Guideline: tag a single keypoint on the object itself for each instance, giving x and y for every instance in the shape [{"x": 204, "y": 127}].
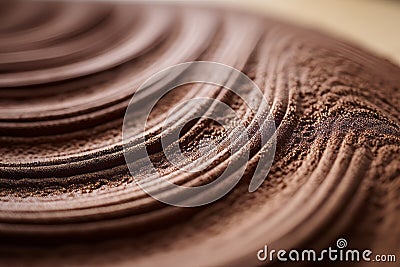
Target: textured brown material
[{"x": 67, "y": 72}]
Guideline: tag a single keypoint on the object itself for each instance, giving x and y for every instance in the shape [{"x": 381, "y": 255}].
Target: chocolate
[{"x": 67, "y": 73}]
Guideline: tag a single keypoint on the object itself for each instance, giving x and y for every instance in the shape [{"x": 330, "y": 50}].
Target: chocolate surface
[{"x": 67, "y": 73}]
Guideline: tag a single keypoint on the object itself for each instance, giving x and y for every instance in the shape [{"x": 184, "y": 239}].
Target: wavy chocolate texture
[{"x": 67, "y": 72}]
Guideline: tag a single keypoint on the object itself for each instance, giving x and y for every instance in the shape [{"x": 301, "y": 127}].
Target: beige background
[{"x": 373, "y": 24}]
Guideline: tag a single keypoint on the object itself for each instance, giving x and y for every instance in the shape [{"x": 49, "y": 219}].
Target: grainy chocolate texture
[{"x": 67, "y": 72}]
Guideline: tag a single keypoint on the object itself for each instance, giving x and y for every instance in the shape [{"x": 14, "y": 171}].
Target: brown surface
[{"x": 66, "y": 195}]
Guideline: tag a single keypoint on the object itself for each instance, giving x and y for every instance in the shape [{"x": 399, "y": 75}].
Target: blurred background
[{"x": 372, "y": 24}]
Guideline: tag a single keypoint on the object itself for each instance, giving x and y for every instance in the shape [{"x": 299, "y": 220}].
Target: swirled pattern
[{"x": 67, "y": 72}]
